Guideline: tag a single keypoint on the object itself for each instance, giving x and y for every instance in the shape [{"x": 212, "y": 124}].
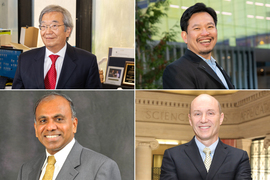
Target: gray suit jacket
[{"x": 81, "y": 164}]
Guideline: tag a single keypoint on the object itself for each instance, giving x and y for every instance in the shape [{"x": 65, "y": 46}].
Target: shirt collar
[
  {"x": 201, "y": 146},
  {"x": 61, "y": 53},
  {"x": 211, "y": 60},
  {"x": 61, "y": 155}
]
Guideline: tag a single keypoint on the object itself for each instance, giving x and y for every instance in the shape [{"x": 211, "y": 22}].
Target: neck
[{"x": 207, "y": 142}]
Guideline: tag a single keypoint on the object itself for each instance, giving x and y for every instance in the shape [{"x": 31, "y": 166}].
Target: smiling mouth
[
  {"x": 52, "y": 136},
  {"x": 204, "y": 127},
  {"x": 205, "y": 41}
]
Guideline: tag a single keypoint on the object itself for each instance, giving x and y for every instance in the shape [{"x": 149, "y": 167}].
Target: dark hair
[
  {"x": 53, "y": 94},
  {"x": 198, "y": 7}
]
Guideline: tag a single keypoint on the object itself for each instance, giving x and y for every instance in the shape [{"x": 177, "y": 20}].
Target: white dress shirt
[
  {"x": 201, "y": 146},
  {"x": 60, "y": 158},
  {"x": 58, "y": 63}
]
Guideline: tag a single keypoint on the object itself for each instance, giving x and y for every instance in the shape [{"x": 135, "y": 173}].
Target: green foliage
[{"x": 150, "y": 55}]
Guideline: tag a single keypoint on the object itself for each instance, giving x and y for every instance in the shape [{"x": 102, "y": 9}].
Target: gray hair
[
  {"x": 67, "y": 19},
  {"x": 52, "y": 95}
]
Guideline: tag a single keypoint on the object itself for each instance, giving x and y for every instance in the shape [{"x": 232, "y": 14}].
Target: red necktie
[{"x": 50, "y": 79}]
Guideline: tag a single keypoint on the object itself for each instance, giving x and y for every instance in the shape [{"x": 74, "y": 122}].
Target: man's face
[
  {"x": 54, "y": 40},
  {"x": 201, "y": 35},
  {"x": 205, "y": 119},
  {"x": 54, "y": 125}
]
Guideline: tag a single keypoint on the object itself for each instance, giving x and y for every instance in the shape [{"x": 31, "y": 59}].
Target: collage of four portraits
[{"x": 135, "y": 89}]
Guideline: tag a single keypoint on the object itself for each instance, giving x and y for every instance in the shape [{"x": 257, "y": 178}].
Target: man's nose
[
  {"x": 204, "y": 32},
  {"x": 48, "y": 29},
  {"x": 204, "y": 118},
  {"x": 51, "y": 125}
]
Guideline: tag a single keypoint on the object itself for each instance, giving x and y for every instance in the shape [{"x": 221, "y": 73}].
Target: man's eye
[
  {"x": 54, "y": 26},
  {"x": 59, "y": 119},
  {"x": 42, "y": 121}
]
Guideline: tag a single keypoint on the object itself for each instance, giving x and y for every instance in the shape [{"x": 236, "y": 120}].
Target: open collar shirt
[{"x": 60, "y": 158}]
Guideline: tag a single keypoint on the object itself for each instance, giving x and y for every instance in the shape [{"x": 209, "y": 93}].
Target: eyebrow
[
  {"x": 54, "y": 21},
  {"x": 55, "y": 116},
  {"x": 210, "y": 23}
]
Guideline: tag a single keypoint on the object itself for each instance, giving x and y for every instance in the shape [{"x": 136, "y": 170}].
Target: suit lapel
[
  {"x": 36, "y": 170},
  {"x": 68, "y": 67},
  {"x": 227, "y": 78},
  {"x": 195, "y": 157},
  {"x": 38, "y": 68},
  {"x": 68, "y": 170},
  {"x": 218, "y": 159},
  {"x": 204, "y": 66}
]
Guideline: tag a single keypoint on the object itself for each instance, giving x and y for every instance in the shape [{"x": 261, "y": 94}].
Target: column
[
  {"x": 144, "y": 147},
  {"x": 244, "y": 144}
]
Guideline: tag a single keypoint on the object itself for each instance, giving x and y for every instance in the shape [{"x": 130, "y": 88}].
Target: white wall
[
  {"x": 70, "y": 5},
  {"x": 9, "y": 17},
  {"x": 113, "y": 26}
]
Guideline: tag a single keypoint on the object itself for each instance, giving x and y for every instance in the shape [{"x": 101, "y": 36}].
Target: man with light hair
[
  {"x": 205, "y": 157},
  {"x": 57, "y": 65}
]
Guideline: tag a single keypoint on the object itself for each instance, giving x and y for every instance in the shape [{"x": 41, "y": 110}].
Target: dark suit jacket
[
  {"x": 81, "y": 164},
  {"x": 191, "y": 72},
  {"x": 184, "y": 162},
  {"x": 79, "y": 70}
]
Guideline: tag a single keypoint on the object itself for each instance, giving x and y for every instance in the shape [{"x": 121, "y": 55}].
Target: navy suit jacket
[
  {"x": 79, "y": 70},
  {"x": 191, "y": 72},
  {"x": 184, "y": 162},
  {"x": 81, "y": 164}
]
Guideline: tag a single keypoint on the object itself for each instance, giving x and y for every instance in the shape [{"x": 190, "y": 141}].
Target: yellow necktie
[
  {"x": 49, "y": 169},
  {"x": 208, "y": 159}
]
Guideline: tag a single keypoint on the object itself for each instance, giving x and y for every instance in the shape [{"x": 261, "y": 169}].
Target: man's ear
[
  {"x": 184, "y": 36},
  {"x": 68, "y": 31}
]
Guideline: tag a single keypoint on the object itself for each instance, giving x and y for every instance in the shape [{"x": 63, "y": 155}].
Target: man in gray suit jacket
[
  {"x": 205, "y": 157},
  {"x": 55, "y": 126}
]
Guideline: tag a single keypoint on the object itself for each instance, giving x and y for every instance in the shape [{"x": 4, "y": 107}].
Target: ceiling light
[
  {"x": 259, "y": 17},
  {"x": 227, "y": 13},
  {"x": 174, "y": 6},
  {"x": 184, "y": 7},
  {"x": 259, "y": 4},
  {"x": 250, "y": 16},
  {"x": 249, "y": 2}
]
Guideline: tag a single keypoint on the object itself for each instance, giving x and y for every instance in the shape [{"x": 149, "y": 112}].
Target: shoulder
[
  {"x": 234, "y": 153},
  {"x": 95, "y": 158},
  {"x": 178, "y": 149},
  {"x": 232, "y": 149},
  {"x": 33, "y": 52},
  {"x": 81, "y": 53},
  {"x": 34, "y": 162},
  {"x": 187, "y": 61}
]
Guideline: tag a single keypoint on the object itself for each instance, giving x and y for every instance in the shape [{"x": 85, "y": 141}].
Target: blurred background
[{"x": 242, "y": 48}]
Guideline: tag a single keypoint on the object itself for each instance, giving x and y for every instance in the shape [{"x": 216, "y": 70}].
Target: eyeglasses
[{"x": 52, "y": 27}]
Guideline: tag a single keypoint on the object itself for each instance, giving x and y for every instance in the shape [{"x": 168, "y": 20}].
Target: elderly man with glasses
[{"x": 57, "y": 65}]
